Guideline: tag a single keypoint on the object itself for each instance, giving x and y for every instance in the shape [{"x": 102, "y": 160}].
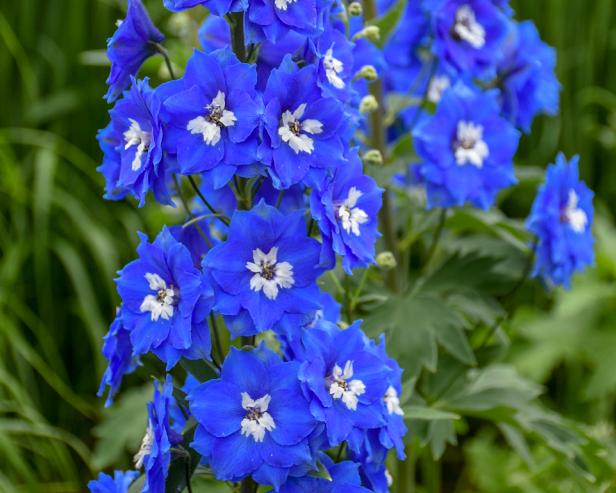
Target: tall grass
[{"x": 60, "y": 243}]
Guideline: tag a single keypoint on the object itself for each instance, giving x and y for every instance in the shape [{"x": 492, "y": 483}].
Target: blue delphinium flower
[
  {"x": 527, "y": 77},
  {"x": 118, "y": 349},
  {"x": 301, "y": 127},
  {"x": 344, "y": 479},
  {"x": 133, "y": 42},
  {"x": 217, "y": 7},
  {"x": 466, "y": 149},
  {"x": 267, "y": 267},
  {"x": 155, "y": 452},
  {"x": 333, "y": 53},
  {"x": 468, "y": 34},
  {"x": 120, "y": 482},
  {"x": 346, "y": 207},
  {"x": 166, "y": 301},
  {"x": 254, "y": 419},
  {"x": 132, "y": 144},
  {"x": 212, "y": 115},
  {"x": 561, "y": 218},
  {"x": 356, "y": 379},
  {"x": 269, "y": 20}
]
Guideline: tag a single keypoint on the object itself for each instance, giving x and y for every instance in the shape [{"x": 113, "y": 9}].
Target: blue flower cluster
[
  {"x": 266, "y": 136},
  {"x": 268, "y": 126}
]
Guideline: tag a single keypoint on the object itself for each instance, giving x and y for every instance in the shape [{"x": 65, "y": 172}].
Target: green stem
[
  {"x": 248, "y": 486},
  {"x": 195, "y": 187},
  {"x": 165, "y": 54},
  {"x": 379, "y": 142},
  {"x": 217, "y": 343}
]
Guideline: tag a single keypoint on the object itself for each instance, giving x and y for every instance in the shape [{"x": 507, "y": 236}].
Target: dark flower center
[
  {"x": 268, "y": 271},
  {"x": 215, "y": 115},
  {"x": 295, "y": 127}
]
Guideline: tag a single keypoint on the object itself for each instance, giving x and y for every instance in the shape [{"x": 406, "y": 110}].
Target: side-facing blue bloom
[
  {"x": 155, "y": 451},
  {"x": 131, "y": 44},
  {"x": 345, "y": 379},
  {"x": 217, "y": 7},
  {"x": 527, "y": 77},
  {"x": 344, "y": 479},
  {"x": 301, "y": 126},
  {"x": 266, "y": 268},
  {"x": 468, "y": 34},
  {"x": 346, "y": 207},
  {"x": 213, "y": 115},
  {"x": 166, "y": 301},
  {"x": 118, "y": 349},
  {"x": 132, "y": 144},
  {"x": 254, "y": 419},
  {"x": 333, "y": 53},
  {"x": 561, "y": 218},
  {"x": 120, "y": 482},
  {"x": 466, "y": 148}
]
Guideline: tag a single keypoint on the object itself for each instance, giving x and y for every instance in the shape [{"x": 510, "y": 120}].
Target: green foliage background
[{"x": 532, "y": 411}]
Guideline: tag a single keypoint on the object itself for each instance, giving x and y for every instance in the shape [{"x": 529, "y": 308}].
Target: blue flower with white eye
[
  {"x": 344, "y": 479},
  {"x": 561, "y": 218},
  {"x": 466, "y": 149},
  {"x": 333, "y": 54},
  {"x": 253, "y": 420},
  {"x": 267, "y": 267},
  {"x": 217, "y": 7},
  {"x": 301, "y": 126},
  {"x": 212, "y": 115},
  {"x": 118, "y": 349},
  {"x": 271, "y": 20},
  {"x": 120, "y": 482},
  {"x": 468, "y": 34},
  {"x": 155, "y": 451},
  {"x": 132, "y": 144},
  {"x": 346, "y": 207},
  {"x": 344, "y": 378},
  {"x": 526, "y": 77},
  {"x": 132, "y": 43},
  {"x": 165, "y": 301}
]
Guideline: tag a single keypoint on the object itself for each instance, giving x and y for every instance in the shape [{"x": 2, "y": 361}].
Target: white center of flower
[
  {"x": 469, "y": 146},
  {"x": 291, "y": 129},
  {"x": 257, "y": 420},
  {"x": 351, "y": 216},
  {"x": 217, "y": 117},
  {"x": 135, "y": 136},
  {"x": 573, "y": 215},
  {"x": 163, "y": 302},
  {"x": 438, "y": 85},
  {"x": 333, "y": 67},
  {"x": 283, "y": 4},
  {"x": 145, "y": 449},
  {"x": 468, "y": 29},
  {"x": 342, "y": 387},
  {"x": 392, "y": 401},
  {"x": 269, "y": 274}
]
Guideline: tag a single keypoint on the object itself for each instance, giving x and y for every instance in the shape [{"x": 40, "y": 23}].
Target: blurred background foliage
[{"x": 530, "y": 410}]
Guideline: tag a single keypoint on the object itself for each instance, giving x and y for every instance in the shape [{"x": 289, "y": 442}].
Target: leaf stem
[
  {"x": 160, "y": 49},
  {"x": 438, "y": 233},
  {"x": 195, "y": 187}
]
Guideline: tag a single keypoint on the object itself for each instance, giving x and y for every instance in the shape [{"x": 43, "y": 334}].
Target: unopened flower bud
[
  {"x": 372, "y": 33},
  {"x": 343, "y": 325},
  {"x": 356, "y": 9},
  {"x": 373, "y": 157},
  {"x": 368, "y": 104},
  {"x": 386, "y": 260},
  {"x": 367, "y": 72}
]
